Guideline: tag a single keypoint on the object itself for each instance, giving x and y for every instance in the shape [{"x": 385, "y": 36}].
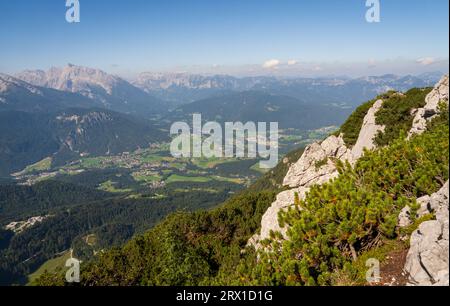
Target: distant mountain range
[
  {"x": 103, "y": 89},
  {"x": 71, "y": 112},
  {"x": 155, "y": 93},
  {"x": 182, "y": 88},
  {"x": 67, "y": 112}
]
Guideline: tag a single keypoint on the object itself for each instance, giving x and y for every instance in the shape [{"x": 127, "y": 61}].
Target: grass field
[
  {"x": 91, "y": 240},
  {"x": 229, "y": 179},
  {"x": 153, "y": 159},
  {"x": 146, "y": 178},
  {"x": 208, "y": 190},
  {"x": 256, "y": 168},
  {"x": 90, "y": 163},
  {"x": 43, "y": 165},
  {"x": 175, "y": 178},
  {"x": 109, "y": 187},
  {"x": 209, "y": 163},
  {"x": 52, "y": 265}
]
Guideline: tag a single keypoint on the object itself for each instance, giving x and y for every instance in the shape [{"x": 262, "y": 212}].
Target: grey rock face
[
  {"x": 71, "y": 78},
  {"x": 424, "y": 115},
  {"x": 428, "y": 258},
  {"x": 107, "y": 90},
  {"x": 404, "y": 218},
  {"x": 306, "y": 172},
  {"x": 10, "y": 83},
  {"x": 369, "y": 131}
]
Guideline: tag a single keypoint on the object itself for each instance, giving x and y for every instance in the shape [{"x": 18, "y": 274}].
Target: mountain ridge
[
  {"x": 183, "y": 88},
  {"x": 110, "y": 91}
]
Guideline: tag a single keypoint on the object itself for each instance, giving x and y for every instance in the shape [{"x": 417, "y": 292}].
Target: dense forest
[
  {"x": 21, "y": 202},
  {"x": 74, "y": 212}
]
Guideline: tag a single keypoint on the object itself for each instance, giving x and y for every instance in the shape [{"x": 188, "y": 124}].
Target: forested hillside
[
  {"x": 185, "y": 249},
  {"x": 27, "y": 138},
  {"x": 262, "y": 107},
  {"x": 72, "y": 213}
]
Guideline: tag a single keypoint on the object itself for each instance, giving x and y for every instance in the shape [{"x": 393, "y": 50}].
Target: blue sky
[{"x": 227, "y": 36}]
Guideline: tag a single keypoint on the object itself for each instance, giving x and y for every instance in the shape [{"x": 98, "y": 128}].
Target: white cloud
[
  {"x": 372, "y": 63},
  {"x": 317, "y": 68},
  {"x": 292, "y": 62},
  {"x": 271, "y": 64},
  {"x": 426, "y": 61}
]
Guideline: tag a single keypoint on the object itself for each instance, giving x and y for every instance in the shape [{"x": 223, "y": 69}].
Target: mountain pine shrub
[
  {"x": 341, "y": 220},
  {"x": 396, "y": 114}
]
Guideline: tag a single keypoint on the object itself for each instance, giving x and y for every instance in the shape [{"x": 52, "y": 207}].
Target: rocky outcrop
[
  {"x": 369, "y": 131},
  {"x": 428, "y": 257},
  {"x": 21, "y": 226},
  {"x": 316, "y": 167},
  {"x": 317, "y": 164},
  {"x": 424, "y": 115}
]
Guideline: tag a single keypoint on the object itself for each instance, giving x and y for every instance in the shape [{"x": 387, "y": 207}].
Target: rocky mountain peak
[
  {"x": 71, "y": 78},
  {"x": 104, "y": 89}
]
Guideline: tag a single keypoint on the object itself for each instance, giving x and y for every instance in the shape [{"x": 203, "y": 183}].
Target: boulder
[{"x": 428, "y": 257}]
